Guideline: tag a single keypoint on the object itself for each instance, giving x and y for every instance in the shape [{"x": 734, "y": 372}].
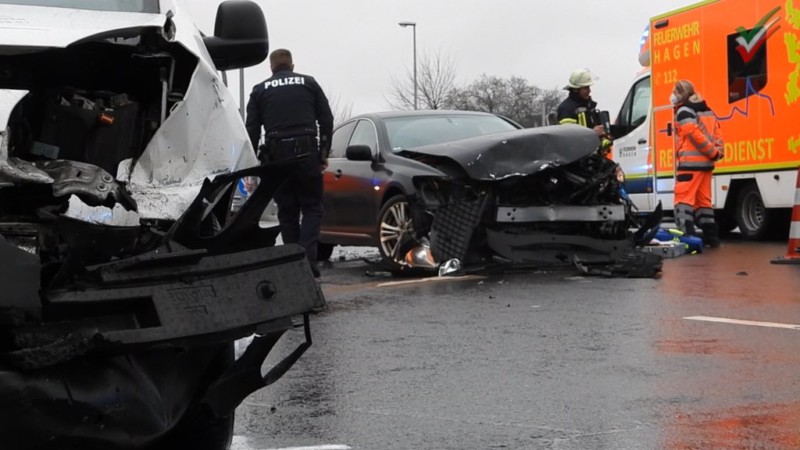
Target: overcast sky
[{"x": 354, "y": 47}]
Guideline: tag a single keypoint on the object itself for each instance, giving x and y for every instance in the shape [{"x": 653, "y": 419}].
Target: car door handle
[
  {"x": 337, "y": 174},
  {"x": 642, "y": 141}
]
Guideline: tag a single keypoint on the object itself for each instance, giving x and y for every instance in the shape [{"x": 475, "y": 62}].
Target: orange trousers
[{"x": 693, "y": 188}]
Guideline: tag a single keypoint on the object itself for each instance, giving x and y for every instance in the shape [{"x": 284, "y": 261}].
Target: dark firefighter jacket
[
  {"x": 575, "y": 110},
  {"x": 579, "y": 111}
]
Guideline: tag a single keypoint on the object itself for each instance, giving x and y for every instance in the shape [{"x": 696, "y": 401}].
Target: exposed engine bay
[{"x": 532, "y": 196}]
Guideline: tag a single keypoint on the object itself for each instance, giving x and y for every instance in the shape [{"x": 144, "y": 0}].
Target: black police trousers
[{"x": 299, "y": 199}]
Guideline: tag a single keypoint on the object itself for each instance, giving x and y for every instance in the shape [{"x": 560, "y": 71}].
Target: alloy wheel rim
[{"x": 395, "y": 225}]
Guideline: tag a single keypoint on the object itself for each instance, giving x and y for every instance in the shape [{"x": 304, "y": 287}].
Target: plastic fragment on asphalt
[{"x": 449, "y": 267}]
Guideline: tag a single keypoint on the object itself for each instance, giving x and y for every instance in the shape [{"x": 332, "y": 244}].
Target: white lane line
[
  {"x": 241, "y": 443},
  {"x": 316, "y": 447},
  {"x": 752, "y": 323},
  {"x": 430, "y": 280}
]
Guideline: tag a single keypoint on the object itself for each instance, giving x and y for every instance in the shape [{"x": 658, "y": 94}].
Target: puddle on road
[
  {"x": 736, "y": 272},
  {"x": 775, "y": 426}
]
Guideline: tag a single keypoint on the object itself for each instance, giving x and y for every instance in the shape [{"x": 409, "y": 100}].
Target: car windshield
[
  {"x": 140, "y": 6},
  {"x": 417, "y": 131}
]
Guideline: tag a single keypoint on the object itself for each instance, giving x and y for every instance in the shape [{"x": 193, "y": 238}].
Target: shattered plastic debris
[
  {"x": 421, "y": 256},
  {"x": 101, "y": 215},
  {"x": 449, "y": 267}
]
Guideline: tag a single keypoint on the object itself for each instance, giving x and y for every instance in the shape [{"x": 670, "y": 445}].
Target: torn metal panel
[
  {"x": 101, "y": 215},
  {"x": 195, "y": 141},
  {"x": 516, "y": 153},
  {"x": 85, "y": 180},
  {"x": 594, "y": 213}
]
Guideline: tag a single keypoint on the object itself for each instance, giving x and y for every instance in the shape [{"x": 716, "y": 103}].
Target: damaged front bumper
[
  {"x": 130, "y": 352},
  {"x": 559, "y": 213}
]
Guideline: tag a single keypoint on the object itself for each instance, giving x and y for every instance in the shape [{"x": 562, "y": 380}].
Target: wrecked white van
[{"x": 125, "y": 277}]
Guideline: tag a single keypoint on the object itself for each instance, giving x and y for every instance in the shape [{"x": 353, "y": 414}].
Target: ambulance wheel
[{"x": 752, "y": 216}]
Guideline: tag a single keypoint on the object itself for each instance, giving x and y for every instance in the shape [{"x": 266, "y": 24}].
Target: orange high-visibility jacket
[{"x": 699, "y": 137}]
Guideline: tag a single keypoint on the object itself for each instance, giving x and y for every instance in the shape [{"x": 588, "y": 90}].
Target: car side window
[
  {"x": 340, "y": 138},
  {"x": 365, "y": 135}
]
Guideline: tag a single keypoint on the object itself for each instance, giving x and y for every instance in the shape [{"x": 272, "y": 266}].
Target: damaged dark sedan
[{"x": 438, "y": 186}]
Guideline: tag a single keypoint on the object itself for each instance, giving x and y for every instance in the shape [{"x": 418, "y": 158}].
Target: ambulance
[{"x": 743, "y": 56}]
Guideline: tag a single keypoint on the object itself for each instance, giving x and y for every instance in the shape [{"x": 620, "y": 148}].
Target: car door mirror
[
  {"x": 240, "y": 36},
  {"x": 359, "y": 153}
]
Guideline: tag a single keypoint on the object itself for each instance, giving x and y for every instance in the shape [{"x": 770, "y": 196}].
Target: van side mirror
[
  {"x": 240, "y": 36},
  {"x": 358, "y": 153}
]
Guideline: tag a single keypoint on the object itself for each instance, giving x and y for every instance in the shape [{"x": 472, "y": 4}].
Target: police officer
[
  {"x": 579, "y": 108},
  {"x": 293, "y": 111}
]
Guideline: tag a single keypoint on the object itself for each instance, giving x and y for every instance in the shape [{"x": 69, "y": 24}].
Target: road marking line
[
  {"x": 430, "y": 280},
  {"x": 317, "y": 447},
  {"x": 752, "y": 323}
]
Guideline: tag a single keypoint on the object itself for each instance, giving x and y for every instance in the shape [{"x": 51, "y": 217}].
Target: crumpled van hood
[
  {"x": 29, "y": 28},
  {"x": 515, "y": 153}
]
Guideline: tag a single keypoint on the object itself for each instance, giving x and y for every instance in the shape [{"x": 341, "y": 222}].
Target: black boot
[{"x": 711, "y": 235}]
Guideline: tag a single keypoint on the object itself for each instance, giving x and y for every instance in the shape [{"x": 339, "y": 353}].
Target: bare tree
[
  {"x": 514, "y": 98},
  {"x": 341, "y": 110},
  {"x": 436, "y": 74},
  {"x": 549, "y": 101}
]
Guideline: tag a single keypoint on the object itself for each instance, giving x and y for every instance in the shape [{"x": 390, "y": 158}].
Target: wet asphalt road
[{"x": 546, "y": 359}]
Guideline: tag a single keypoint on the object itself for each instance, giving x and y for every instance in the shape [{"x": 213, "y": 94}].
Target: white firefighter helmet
[{"x": 580, "y": 78}]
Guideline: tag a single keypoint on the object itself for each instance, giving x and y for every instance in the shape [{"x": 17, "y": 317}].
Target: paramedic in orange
[
  {"x": 699, "y": 145},
  {"x": 579, "y": 108}
]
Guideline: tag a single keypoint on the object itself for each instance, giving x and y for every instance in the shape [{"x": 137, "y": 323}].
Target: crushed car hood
[
  {"x": 517, "y": 153},
  {"x": 35, "y": 27}
]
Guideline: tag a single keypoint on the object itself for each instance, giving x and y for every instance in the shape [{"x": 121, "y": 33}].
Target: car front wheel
[{"x": 394, "y": 226}]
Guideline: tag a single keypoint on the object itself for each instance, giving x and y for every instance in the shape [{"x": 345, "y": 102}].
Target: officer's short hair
[{"x": 280, "y": 58}]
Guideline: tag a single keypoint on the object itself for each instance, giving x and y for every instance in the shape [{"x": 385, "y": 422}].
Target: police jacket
[
  {"x": 289, "y": 104},
  {"x": 699, "y": 137},
  {"x": 576, "y": 110}
]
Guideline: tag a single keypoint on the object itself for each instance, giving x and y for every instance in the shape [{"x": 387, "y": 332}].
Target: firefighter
[
  {"x": 579, "y": 108},
  {"x": 699, "y": 145},
  {"x": 293, "y": 110}
]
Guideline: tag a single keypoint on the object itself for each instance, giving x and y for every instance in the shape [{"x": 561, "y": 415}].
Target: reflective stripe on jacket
[{"x": 699, "y": 138}]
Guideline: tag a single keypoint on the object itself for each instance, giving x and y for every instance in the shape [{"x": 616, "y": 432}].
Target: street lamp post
[{"x": 414, "y": 26}]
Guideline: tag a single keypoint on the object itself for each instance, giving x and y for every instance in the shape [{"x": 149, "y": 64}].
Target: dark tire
[
  {"x": 726, "y": 221},
  {"x": 394, "y": 224},
  {"x": 199, "y": 429},
  {"x": 752, "y": 217},
  {"x": 324, "y": 251}
]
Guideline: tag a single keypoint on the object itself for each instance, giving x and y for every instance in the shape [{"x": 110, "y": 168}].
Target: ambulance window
[
  {"x": 641, "y": 103},
  {"x": 636, "y": 107},
  {"x": 340, "y": 139}
]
